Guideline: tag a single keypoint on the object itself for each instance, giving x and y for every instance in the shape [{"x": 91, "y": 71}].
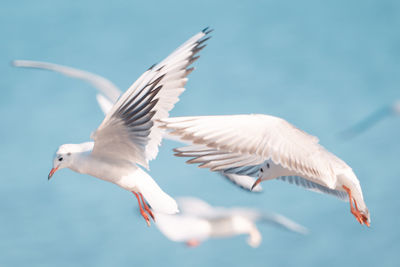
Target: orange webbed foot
[
  {"x": 361, "y": 218},
  {"x": 146, "y": 207},
  {"x": 142, "y": 212}
]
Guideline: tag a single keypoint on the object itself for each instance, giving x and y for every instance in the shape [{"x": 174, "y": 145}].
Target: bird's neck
[{"x": 106, "y": 169}]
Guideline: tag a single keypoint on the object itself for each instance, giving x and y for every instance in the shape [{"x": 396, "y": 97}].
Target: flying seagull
[
  {"x": 108, "y": 94},
  {"x": 199, "y": 221},
  {"x": 129, "y": 135},
  {"x": 267, "y": 147}
]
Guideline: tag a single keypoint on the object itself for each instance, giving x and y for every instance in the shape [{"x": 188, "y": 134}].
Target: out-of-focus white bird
[
  {"x": 199, "y": 221},
  {"x": 267, "y": 147},
  {"x": 371, "y": 120},
  {"x": 129, "y": 135},
  {"x": 108, "y": 95},
  {"x": 108, "y": 92}
]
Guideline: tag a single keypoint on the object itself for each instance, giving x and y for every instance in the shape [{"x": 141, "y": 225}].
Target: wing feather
[
  {"x": 263, "y": 137},
  {"x": 129, "y": 130}
]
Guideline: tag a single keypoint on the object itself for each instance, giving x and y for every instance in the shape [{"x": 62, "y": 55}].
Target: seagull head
[
  {"x": 62, "y": 159},
  {"x": 266, "y": 172},
  {"x": 67, "y": 154}
]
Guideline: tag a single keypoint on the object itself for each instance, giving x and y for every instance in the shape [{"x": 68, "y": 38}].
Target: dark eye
[
  {"x": 268, "y": 165},
  {"x": 60, "y": 159}
]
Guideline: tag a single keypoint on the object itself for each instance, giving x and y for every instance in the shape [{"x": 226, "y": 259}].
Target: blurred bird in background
[
  {"x": 199, "y": 221},
  {"x": 370, "y": 121}
]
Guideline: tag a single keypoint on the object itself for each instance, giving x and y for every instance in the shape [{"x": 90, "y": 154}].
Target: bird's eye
[
  {"x": 268, "y": 165},
  {"x": 60, "y": 159}
]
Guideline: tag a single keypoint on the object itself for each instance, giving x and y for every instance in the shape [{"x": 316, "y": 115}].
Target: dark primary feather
[{"x": 127, "y": 131}]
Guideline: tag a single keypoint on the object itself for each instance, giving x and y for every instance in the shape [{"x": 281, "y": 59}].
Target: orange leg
[
  {"x": 361, "y": 218},
  {"x": 146, "y": 207},
  {"x": 141, "y": 209},
  {"x": 192, "y": 243}
]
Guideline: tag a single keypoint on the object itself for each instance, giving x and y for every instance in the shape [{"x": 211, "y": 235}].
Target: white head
[
  {"x": 65, "y": 155},
  {"x": 268, "y": 171}
]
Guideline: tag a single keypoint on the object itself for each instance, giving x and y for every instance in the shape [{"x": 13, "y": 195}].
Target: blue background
[{"x": 322, "y": 65}]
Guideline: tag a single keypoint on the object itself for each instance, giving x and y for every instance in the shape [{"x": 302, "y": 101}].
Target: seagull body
[
  {"x": 198, "y": 221},
  {"x": 129, "y": 135},
  {"x": 267, "y": 147}
]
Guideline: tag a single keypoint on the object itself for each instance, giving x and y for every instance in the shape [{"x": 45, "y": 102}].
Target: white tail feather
[{"x": 154, "y": 195}]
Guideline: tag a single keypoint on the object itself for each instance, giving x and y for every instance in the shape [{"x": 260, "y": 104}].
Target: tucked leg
[
  {"x": 192, "y": 243},
  {"x": 146, "y": 207},
  {"x": 145, "y": 216},
  {"x": 361, "y": 218}
]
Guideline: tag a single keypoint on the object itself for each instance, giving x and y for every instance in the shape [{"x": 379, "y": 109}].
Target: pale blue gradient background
[{"x": 320, "y": 65}]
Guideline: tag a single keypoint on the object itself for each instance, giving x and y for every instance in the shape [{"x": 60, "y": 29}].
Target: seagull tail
[{"x": 154, "y": 195}]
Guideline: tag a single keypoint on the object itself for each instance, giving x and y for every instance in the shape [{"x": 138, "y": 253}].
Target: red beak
[
  {"x": 52, "y": 172},
  {"x": 256, "y": 183}
]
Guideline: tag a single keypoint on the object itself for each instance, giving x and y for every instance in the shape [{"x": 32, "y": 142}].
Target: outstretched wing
[
  {"x": 109, "y": 92},
  {"x": 367, "y": 122},
  {"x": 266, "y": 217},
  {"x": 237, "y": 168},
  {"x": 129, "y": 131},
  {"x": 245, "y": 140}
]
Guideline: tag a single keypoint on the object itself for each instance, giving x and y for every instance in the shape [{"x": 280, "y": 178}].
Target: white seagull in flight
[
  {"x": 267, "y": 147},
  {"x": 199, "y": 221},
  {"x": 129, "y": 135},
  {"x": 107, "y": 96}
]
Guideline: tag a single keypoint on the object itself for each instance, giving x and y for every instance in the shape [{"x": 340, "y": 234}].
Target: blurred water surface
[{"x": 320, "y": 65}]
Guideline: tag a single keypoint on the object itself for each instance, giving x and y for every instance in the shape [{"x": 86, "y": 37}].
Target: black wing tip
[
  {"x": 190, "y": 70},
  {"x": 152, "y": 66},
  {"x": 207, "y": 30}
]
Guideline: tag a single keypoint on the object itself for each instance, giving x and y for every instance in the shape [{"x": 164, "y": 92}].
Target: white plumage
[
  {"x": 266, "y": 147},
  {"x": 198, "y": 221},
  {"x": 129, "y": 136}
]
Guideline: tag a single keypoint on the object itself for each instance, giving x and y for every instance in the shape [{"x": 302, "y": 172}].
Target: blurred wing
[
  {"x": 106, "y": 87},
  {"x": 283, "y": 222},
  {"x": 129, "y": 131},
  {"x": 367, "y": 123},
  {"x": 194, "y": 207},
  {"x": 245, "y": 140},
  {"x": 180, "y": 228},
  {"x": 270, "y": 218},
  {"x": 104, "y": 103}
]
